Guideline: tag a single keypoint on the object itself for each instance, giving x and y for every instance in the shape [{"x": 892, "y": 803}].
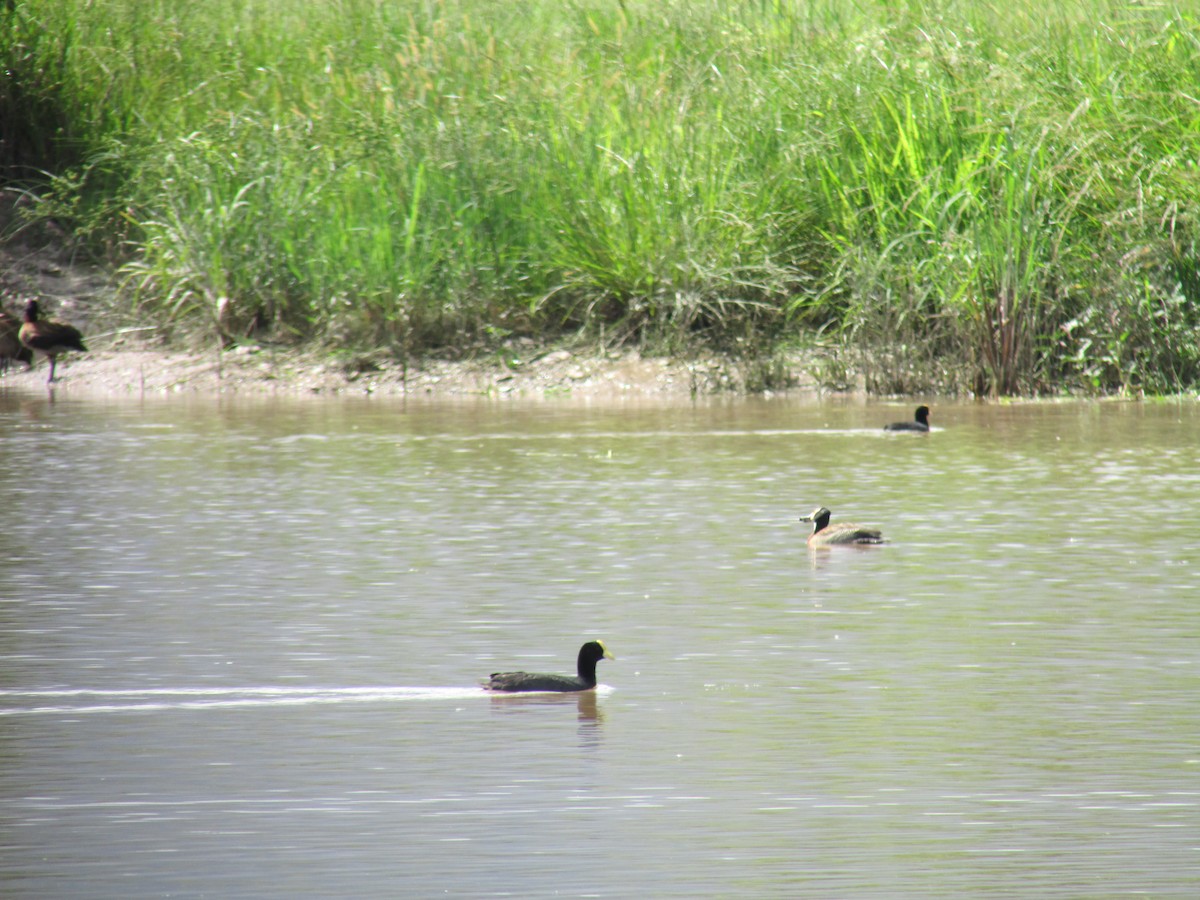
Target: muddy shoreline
[
  {"x": 140, "y": 371},
  {"x": 42, "y": 264}
]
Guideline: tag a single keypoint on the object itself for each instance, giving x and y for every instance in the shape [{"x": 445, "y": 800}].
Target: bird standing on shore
[
  {"x": 920, "y": 422},
  {"x": 10, "y": 342},
  {"x": 589, "y": 654},
  {"x": 824, "y": 534},
  {"x": 49, "y": 338}
]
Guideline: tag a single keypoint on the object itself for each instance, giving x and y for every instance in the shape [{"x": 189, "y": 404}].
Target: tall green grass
[{"x": 967, "y": 196}]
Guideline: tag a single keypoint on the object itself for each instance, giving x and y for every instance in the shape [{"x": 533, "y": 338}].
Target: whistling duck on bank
[
  {"x": 48, "y": 338},
  {"x": 589, "y": 654},
  {"x": 824, "y": 534},
  {"x": 10, "y": 342},
  {"x": 920, "y": 422}
]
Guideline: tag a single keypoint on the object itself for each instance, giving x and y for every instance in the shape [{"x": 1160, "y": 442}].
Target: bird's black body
[
  {"x": 920, "y": 422},
  {"x": 589, "y": 654}
]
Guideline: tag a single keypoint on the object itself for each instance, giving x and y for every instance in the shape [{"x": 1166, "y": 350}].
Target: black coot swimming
[
  {"x": 589, "y": 654},
  {"x": 920, "y": 422}
]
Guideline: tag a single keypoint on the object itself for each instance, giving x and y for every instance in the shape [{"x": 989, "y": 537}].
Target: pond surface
[{"x": 240, "y": 643}]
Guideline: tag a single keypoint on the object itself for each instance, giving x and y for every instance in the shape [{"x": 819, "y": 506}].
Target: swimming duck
[
  {"x": 589, "y": 654},
  {"x": 920, "y": 422},
  {"x": 824, "y": 534},
  {"x": 48, "y": 338}
]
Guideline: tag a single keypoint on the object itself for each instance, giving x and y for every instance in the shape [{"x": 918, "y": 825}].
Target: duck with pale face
[{"x": 824, "y": 534}]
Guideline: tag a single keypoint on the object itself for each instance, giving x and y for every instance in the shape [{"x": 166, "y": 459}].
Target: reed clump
[{"x": 1000, "y": 198}]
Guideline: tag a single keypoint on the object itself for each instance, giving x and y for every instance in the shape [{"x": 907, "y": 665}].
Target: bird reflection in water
[{"x": 585, "y": 702}]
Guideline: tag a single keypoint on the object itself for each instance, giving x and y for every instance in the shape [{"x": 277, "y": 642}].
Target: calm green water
[{"x": 239, "y": 644}]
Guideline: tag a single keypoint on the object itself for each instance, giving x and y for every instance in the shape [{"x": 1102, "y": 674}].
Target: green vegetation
[{"x": 945, "y": 196}]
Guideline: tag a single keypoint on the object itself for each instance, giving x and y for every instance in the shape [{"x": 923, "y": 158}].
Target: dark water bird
[
  {"x": 10, "y": 342},
  {"x": 589, "y": 654},
  {"x": 920, "y": 422},
  {"x": 824, "y": 534},
  {"x": 49, "y": 338}
]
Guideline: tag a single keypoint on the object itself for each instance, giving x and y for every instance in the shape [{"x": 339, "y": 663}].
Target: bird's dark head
[
  {"x": 819, "y": 517},
  {"x": 922, "y": 415},
  {"x": 595, "y": 651},
  {"x": 31, "y": 311}
]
